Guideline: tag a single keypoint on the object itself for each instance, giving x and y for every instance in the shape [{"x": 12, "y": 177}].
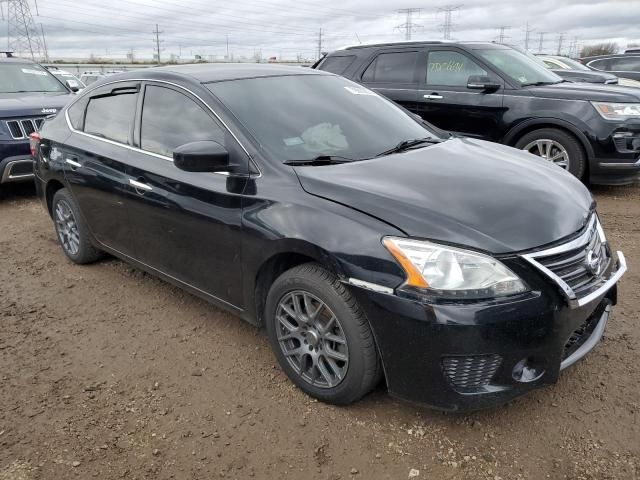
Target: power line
[
  {"x": 319, "y": 43},
  {"x": 158, "y": 32},
  {"x": 408, "y": 26},
  {"x": 22, "y": 33},
  {"x": 447, "y": 24},
  {"x": 541, "y": 40},
  {"x": 502, "y": 35}
]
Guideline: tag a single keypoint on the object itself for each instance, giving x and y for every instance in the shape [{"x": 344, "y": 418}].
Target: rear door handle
[
  {"x": 433, "y": 97},
  {"x": 73, "y": 162},
  {"x": 140, "y": 185}
]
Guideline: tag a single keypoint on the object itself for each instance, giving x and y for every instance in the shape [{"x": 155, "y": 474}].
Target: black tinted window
[
  {"x": 397, "y": 67},
  {"x": 337, "y": 65},
  {"x": 628, "y": 64},
  {"x": 76, "y": 113},
  {"x": 111, "y": 116},
  {"x": 451, "y": 69},
  {"x": 171, "y": 119}
]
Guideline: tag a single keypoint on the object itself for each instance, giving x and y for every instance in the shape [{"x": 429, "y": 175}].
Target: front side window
[
  {"x": 397, "y": 67},
  {"x": 337, "y": 65},
  {"x": 28, "y": 78},
  {"x": 518, "y": 66},
  {"x": 171, "y": 119},
  {"x": 302, "y": 117},
  {"x": 451, "y": 69},
  {"x": 111, "y": 116}
]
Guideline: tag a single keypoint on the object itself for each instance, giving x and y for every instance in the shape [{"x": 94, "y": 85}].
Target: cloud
[{"x": 290, "y": 28}]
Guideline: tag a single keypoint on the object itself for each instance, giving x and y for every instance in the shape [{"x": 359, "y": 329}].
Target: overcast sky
[{"x": 287, "y": 28}]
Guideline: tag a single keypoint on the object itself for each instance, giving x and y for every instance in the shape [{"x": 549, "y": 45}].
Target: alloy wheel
[
  {"x": 312, "y": 339},
  {"x": 67, "y": 228},
  {"x": 549, "y": 150}
]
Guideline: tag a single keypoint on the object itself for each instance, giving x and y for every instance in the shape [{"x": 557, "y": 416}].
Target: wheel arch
[
  {"x": 528, "y": 126},
  {"x": 290, "y": 254},
  {"x": 50, "y": 190}
]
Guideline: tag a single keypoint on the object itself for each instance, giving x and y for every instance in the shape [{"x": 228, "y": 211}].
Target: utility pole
[
  {"x": 44, "y": 44},
  {"x": 502, "y": 35},
  {"x": 527, "y": 36},
  {"x": 158, "y": 32},
  {"x": 560, "y": 40},
  {"x": 22, "y": 34},
  {"x": 319, "y": 44},
  {"x": 408, "y": 26},
  {"x": 447, "y": 24},
  {"x": 540, "y": 41},
  {"x": 227, "y": 47}
]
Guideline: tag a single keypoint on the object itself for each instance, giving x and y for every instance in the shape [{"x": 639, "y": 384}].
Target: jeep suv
[
  {"x": 497, "y": 93},
  {"x": 28, "y": 94}
]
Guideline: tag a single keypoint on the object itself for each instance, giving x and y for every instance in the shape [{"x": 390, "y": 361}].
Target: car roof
[
  {"x": 470, "y": 45},
  {"x": 217, "y": 72},
  {"x": 613, "y": 55}
]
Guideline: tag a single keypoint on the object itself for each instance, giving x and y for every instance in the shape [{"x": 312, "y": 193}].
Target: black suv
[
  {"x": 498, "y": 93},
  {"x": 28, "y": 94}
]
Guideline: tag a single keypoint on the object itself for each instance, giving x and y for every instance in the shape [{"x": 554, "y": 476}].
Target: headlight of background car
[
  {"x": 617, "y": 111},
  {"x": 451, "y": 272}
]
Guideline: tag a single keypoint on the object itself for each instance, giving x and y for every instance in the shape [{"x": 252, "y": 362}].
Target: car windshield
[
  {"x": 303, "y": 117},
  {"x": 571, "y": 63},
  {"x": 28, "y": 77},
  {"x": 519, "y": 67}
]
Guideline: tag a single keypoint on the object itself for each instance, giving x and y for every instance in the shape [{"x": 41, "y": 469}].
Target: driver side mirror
[
  {"x": 73, "y": 85},
  {"x": 482, "y": 82},
  {"x": 204, "y": 156}
]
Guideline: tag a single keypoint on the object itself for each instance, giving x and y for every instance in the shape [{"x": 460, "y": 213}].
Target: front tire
[
  {"x": 72, "y": 230},
  {"x": 556, "y": 146},
  {"x": 320, "y": 336}
]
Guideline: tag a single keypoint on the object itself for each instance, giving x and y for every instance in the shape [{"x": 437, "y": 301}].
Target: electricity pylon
[{"x": 23, "y": 35}]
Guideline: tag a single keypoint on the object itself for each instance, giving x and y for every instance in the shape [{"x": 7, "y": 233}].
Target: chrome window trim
[
  {"x": 139, "y": 150},
  {"x": 578, "y": 242}
]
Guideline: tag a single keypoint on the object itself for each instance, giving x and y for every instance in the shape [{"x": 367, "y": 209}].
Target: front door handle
[
  {"x": 433, "y": 96},
  {"x": 74, "y": 164},
  {"x": 140, "y": 186}
]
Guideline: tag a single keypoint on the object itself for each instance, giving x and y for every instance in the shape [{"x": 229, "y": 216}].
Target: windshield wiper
[
  {"x": 407, "y": 144},
  {"x": 539, "y": 84},
  {"x": 319, "y": 160}
]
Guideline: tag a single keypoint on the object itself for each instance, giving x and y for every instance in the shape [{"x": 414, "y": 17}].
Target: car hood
[
  {"x": 467, "y": 192},
  {"x": 587, "y": 91},
  {"x": 40, "y": 105},
  {"x": 585, "y": 75}
]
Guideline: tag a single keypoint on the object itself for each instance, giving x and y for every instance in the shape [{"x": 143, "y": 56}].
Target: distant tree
[{"x": 599, "y": 49}]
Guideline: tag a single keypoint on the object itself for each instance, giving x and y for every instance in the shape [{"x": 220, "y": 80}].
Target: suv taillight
[{"x": 34, "y": 143}]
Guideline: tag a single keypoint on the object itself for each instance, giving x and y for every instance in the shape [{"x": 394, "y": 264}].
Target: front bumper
[
  {"x": 617, "y": 154},
  {"x": 461, "y": 357},
  {"x": 16, "y": 164}
]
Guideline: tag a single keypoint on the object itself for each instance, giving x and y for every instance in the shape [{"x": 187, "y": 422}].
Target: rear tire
[
  {"x": 309, "y": 345},
  {"x": 71, "y": 229},
  {"x": 552, "y": 142}
]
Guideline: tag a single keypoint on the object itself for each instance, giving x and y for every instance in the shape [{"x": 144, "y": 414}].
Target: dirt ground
[{"x": 106, "y": 372}]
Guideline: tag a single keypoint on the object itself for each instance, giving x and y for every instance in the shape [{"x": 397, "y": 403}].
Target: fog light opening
[{"x": 528, "y": 370}]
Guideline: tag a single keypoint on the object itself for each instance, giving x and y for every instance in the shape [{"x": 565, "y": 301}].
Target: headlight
[
  {"x": 617, "y": 111},
  {"x": 452, "y": 272}
]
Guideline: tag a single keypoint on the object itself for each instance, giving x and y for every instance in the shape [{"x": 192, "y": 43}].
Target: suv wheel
[
  {"x": 71, "y": 229},
  {"x": 555, "y": 146},
  {"x": 320, "y": 335}
]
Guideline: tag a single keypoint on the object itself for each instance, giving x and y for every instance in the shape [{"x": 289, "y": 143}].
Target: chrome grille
[
  {"x": 21, "y": 129},
  {"x": 579, "y": 266},
  {"x": 468, "y": 373}
]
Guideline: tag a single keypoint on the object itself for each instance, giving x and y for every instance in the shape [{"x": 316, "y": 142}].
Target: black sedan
[{"x": 463, "y": 273}]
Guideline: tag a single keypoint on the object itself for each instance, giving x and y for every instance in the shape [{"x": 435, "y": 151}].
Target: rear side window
[
  {"x": 337, "y": 65},
  {"x": 397, "y": 67},
  {"x": 111, "y": 116},
  {"x": 626, "y": 64},
  {"x": 76, "y": 113},
  {"x": 451, "y": 68},
  {"x": 171, "y": 119}
]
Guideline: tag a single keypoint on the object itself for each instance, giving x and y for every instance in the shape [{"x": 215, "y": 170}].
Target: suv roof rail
[
  {"x": 8, "y": 53},
  {"x": 391, "y": 44}
]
